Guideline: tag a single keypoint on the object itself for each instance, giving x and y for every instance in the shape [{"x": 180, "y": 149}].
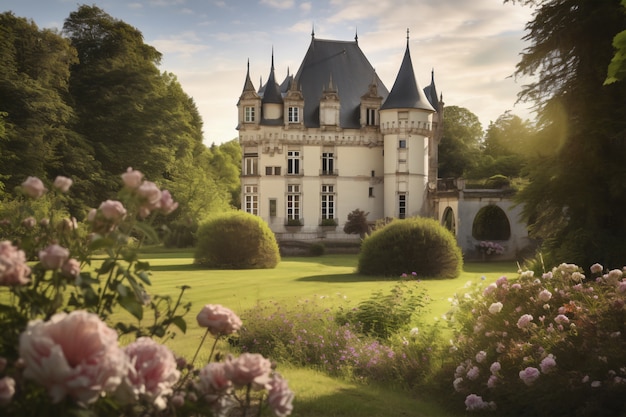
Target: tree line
[{"x": 90, "y": 101}]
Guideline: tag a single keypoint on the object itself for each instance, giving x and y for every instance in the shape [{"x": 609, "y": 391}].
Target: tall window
[
  {"x": 251, "y": 164},
  {"x": 272, "y": 207},
  {"x": 293, "y": 162},
  {"x": 401, "y": 206},
  {"x": 328, "y": 202},
  {"x": 251, "y": 199},
  {"x": 293, "y": 202},
  {"x": 370, "y": 115},
  {"x": 328, "y": 163},
  {"x": 294, "y": 115},
  {"x": 248, "y": 114}
]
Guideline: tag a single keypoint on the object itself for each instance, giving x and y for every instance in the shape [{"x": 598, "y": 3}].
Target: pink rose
[
  {"x": 473, "y": 373},
  {"x": 545, "y": 296},
  {"x": 524, "y": 321},
  {"x": 29, "y": 222},
  {"x": 13, "y": 267},
  {"x": 280, "y": 397},
  {"x": 152, "y": 373},
  {"x": 33, "y": 187},
  {"x": 53, "y": 257},
  {"x": 132, "y": 178},
  {"x": 249, "y": 368},
  {"x": 548, "y": 364},
  {"x": 529, "y": 375},
  {"x": 495, "y": 368},
  {"x": 492, "y": 381},
  {"x": 502, "y": 281},
  {"x": 151, "y": 196},
  {"x": 62, "y": 184},
  {"x": 168, "y": 204},
  {"x": 596, "y": 268},
  {"x": 73, "y": 354},
  {"x": 475, "y": 402},
  {"x": 71, "y": 268},
  {"x": 561, "y": 319},
  {"x": 213, "y": 379},
  {"x": 7, "y": 390},
  {"x": 481, "y": 356},
  {"x": 113, "y": 210},
  {"x": 490, "y": 288},
  {"x": 218, "y": 319},
  {"x": 495, "y": 308}
]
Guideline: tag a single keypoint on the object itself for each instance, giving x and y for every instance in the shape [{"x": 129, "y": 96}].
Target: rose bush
[
  {"x": 60, "y": 283},
  {"x": 549, "y": 345}
]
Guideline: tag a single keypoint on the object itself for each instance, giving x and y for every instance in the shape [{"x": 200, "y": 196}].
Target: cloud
[
  {"x": 278, "y": 4},
  {"x": 305, "y": 7}
]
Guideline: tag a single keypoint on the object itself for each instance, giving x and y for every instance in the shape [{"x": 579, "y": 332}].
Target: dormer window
[
  {"x": 294, "y": 115},
  {"x": 248, "y": 114},
  {"x": 370, "y": 115}
]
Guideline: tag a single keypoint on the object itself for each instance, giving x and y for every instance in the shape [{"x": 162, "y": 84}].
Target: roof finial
[
  {"x": 312, "y": 30},
  {"x": 356, "y": 35},
  {"x": 407, "y": 36},
  {"x": 272, "y": 57}
]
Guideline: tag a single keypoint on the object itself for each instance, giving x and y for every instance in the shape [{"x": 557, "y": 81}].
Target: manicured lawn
[{"x": 330, "y": 278}]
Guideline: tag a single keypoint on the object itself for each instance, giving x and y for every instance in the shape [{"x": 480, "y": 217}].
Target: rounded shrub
[
  {"x": 236, "y": 240},
  {"x": 420, "y": 246}
]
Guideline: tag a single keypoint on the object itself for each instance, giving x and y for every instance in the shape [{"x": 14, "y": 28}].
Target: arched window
[
  {"x": 491, "y": 223},
  {"x": 448, "y": 221}
]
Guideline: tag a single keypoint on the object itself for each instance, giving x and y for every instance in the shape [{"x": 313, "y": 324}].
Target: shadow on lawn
[
  {"x": 176, "y": 268},
  {"x": 344, "y": 278}
]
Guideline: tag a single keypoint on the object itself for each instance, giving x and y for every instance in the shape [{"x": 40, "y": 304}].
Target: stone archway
[
  {"x": 448, "y": 220},
  {"x": 491, "y": 223}
]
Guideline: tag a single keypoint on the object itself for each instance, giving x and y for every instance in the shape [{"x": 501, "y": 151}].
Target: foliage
[
  {"x": 543, "y": 345},
  {"x": 581, "y": 131},
  {"x": 62, "y": 283},
  {"x": 311, "y": 333},
  {"x": 489, "y": 248},
  {"x": 236, "y": 240},
  {"x": 460, "y": 145},
  {"x": 382, "y": 315},
  {"x": 357, "y": 223},
  {"x": 317, "y": 249},
  {"x": 497, "y": 181},
  {"x": 417, "y": 244},
  {"x": 617, "y": 66}
]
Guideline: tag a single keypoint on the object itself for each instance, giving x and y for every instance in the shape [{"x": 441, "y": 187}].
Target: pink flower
[
  {"x": 7, "y": 390},
  {"x": 492, "y": 381},
  {"x": 524, "y": 321},
  {"x": 489, "y": 289},
  {"x": 13, "y": 267},
  {"x": 474, "y": 402},
  {"x": 168, "y": 204},
  {"x": 495, "y": 367},
  {"x": 548, "y": 364},
  {"x": 280, "y": 397},
  {"x": 152, "y": 372},
  {"x": 501, "y": 281},
  {"x": 621, "y": 287},
  {"x": 561, "y": 319},
  {"x": 212, "y": 379},
  {"x": 218, "y": 319},
  {"x": 62, "y": 184},
  {"x": 71, "y": 268},
  {"x": 29, "y": 222},
  {"x": 495, "y": 308},
  {"x": 481, "y": 356},
  {"x": 33, "y": 187},
  {"x": 151, "y": 197},
  {"x": 132, "y": 178},
  {"x": 596, "y": 268},
  {"x": 458, "y": 384},
  {"x": 113, "y": 210},
  {"x": 529, "y": 375},
  {"x": 473, "y": 373},
  {"x": 516, "y": 286},
  {"x": 545, "y": 296},
  {"x": 73, "y": 354},
  {"x": 249, "y": 368},
  {"x": 53, "y": 257}
]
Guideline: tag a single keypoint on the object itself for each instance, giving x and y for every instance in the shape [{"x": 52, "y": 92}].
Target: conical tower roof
[
  {"x": 271, "y": 94},
  {"x": 405, "y": 94}
]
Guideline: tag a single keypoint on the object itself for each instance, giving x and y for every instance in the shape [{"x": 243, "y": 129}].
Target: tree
[
  {"x": 357, "y": 223},
  {"x": 459, "y": 148},
  {"x": 577, "y": 192},
  {"x": 617, "y": 66}
]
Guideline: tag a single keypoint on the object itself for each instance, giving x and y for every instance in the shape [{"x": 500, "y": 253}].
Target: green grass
[{"x": 297, "y": 279}]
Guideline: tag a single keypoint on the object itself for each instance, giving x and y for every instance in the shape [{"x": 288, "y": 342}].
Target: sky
[{"x": 472, "y": 46}]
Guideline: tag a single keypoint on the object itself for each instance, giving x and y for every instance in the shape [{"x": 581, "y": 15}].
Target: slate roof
[
  {"x": 351, "y": 76},
  {"x": 271, "y": 93},
  {"x": 405, "y": 93},
  {"x": 431, "y": 92}
]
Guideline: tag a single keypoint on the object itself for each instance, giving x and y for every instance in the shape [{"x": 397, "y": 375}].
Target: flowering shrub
[
  {"x": 60, "y": 283},
  {"x": 553, "y": 344},
  {"x": 489, "y": 248}
]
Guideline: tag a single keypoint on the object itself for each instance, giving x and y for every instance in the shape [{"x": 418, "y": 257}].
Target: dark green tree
[
  {"x": 357, "y": 223},
  {"x": 459, "y": 148},
  {"x": 577, "y": 196}
]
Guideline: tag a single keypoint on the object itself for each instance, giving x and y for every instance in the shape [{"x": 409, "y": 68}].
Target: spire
[
  {"x": 405, "y": 92},
  {"x": 356, "y": 35},
  {"x": 431, "y": 91},
  {"x": 247, "y": 86},
  {"x": 272, "y": 92}
]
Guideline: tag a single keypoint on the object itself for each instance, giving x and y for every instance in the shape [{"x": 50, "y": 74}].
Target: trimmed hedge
[
  {"x": 416, "y": 245},
  {"x": 236, "y": 240}
]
